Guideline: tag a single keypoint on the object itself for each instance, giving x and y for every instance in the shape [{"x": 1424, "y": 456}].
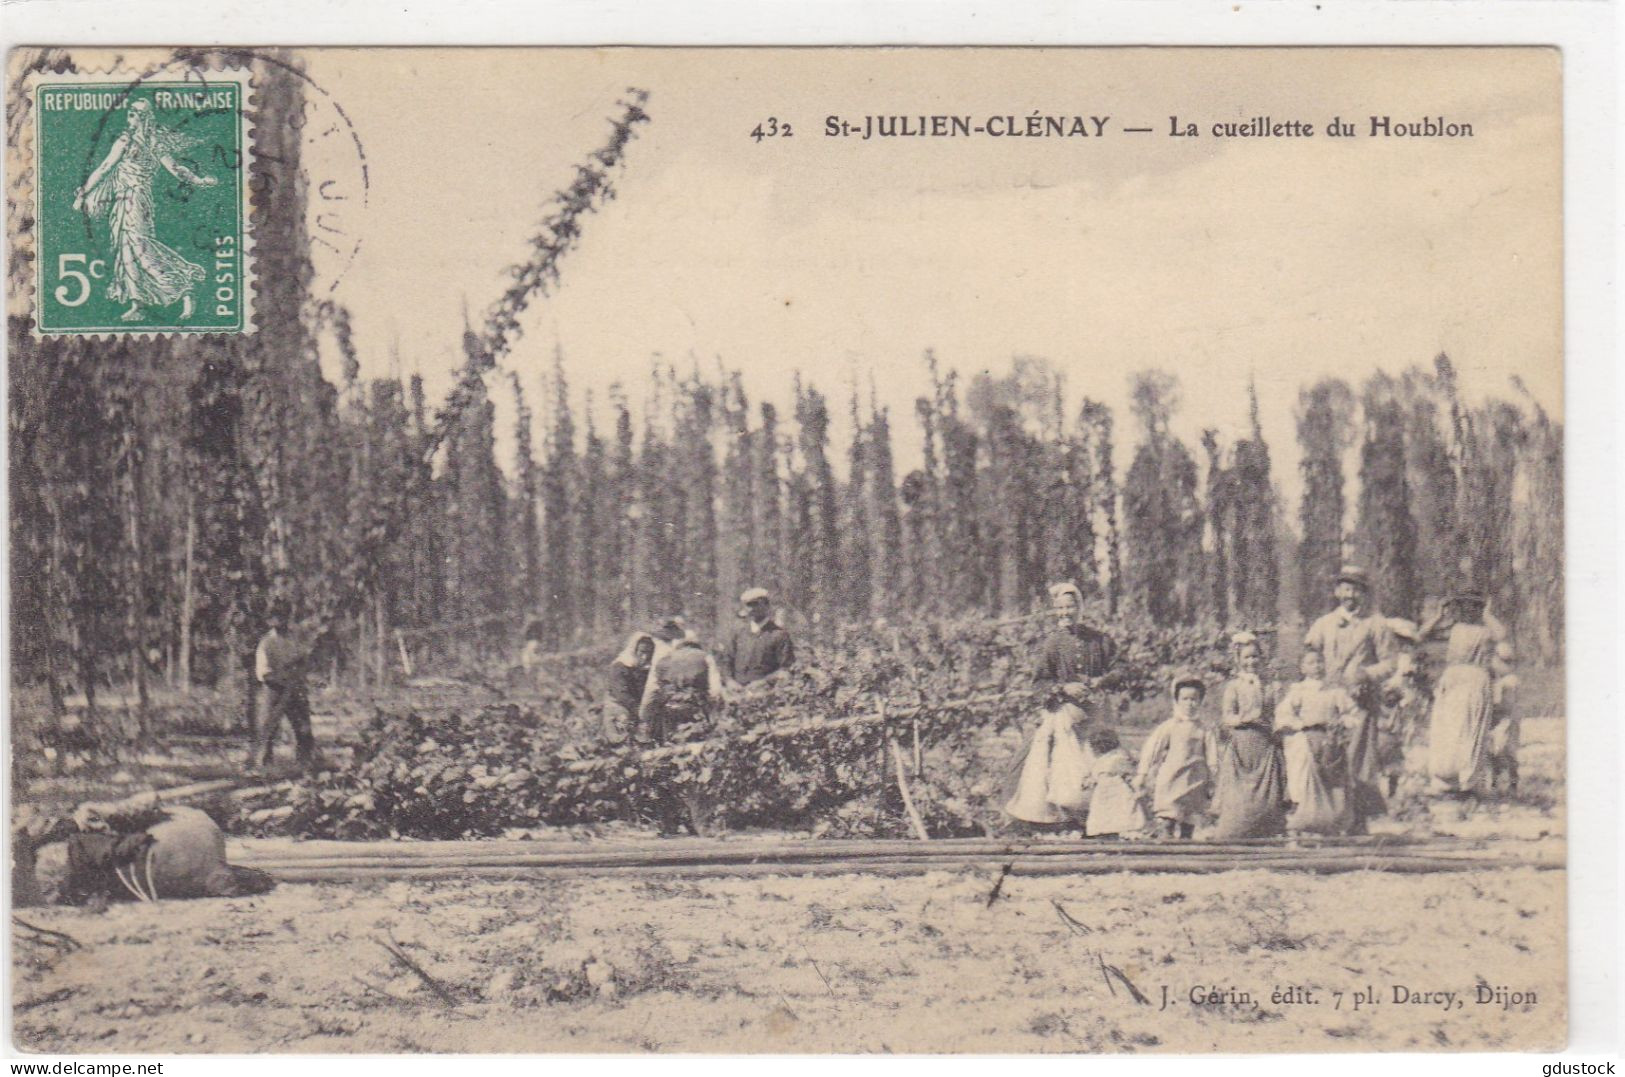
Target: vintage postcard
[{"x": 786, "y": 550}]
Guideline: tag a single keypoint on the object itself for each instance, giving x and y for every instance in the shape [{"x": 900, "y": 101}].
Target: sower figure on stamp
[
  {"x": 279, "y": 664},
  {"x": 145, "y": 272},
  {"x": 1355, "y": 645},
  {"x": 761, "y": 647}
]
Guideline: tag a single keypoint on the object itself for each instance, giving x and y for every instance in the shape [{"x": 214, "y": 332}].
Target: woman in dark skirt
[{"x": 1251, "y": 779}]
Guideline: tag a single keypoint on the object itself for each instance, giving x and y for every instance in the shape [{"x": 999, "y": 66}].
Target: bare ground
[{"x": 848, "y": 963}]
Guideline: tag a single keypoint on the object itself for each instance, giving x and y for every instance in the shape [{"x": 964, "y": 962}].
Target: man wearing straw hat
[{"x": 1356, "y": 646}]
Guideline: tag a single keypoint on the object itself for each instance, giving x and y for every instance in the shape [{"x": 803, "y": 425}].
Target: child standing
[
  {"x": 1313, "y": 719},
  {"x": 1505, "y": 724},
  {"x": 1114, "y": 807},
  {"x": 1175, "y": 767}
]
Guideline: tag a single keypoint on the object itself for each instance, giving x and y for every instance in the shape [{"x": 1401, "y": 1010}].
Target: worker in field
[
  {"x": 683, "y": 690},
  {"x": 629, "y": 674},
  {"x": 279, "y": 665},
  {"x": 1074, "y": 651},
  {"x": 683, "y": 694},
  {"x": 1357, "y": 646},
  {"x": 530, "y": 654},
  {"x": 1044, "y": 784},
  {"x": 761, "y": 647}
]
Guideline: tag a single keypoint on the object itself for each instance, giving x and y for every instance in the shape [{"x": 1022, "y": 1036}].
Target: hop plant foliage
[{"x": 806, "y": 751}]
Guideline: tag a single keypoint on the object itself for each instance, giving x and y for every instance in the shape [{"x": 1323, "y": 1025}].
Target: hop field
[{"x": 808, "y": 751}]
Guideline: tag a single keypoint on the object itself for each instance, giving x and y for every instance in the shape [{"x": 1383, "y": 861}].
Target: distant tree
[
  {"x": 472, "y": 527},
  {"x": 1162, "y": 516},
  {"x": 1096, "y": 422},
  {"x": 887, "y": 588},
  {"x": 1219, "y": 509},
  {"x": 422, "y": 531},
  {"x": 1255, "y": 566},
  {"x": 526, "y": 529},
  {"x": 1431, "y": 474},
  {"x": 802, "y": 543},
  {"x": 958, "y": 522},
  {"x": 1386, "y": 531},
  {"x": 767, "y": 504},
  {"x": 856, "y": 539},
  {"x": 1536, "y": 540},
  {"x": 738, "y": 541},
  {"x": 696, "y": 423},
  {"x": 1013, "y": 415},
  {"x": 1067, "y": 512},
  {"x": 914, "y": 567},
  {"x": 621, "y": 536},
  {"x": 561, "y": 485},
  {"x": 655, "y": 557},
  {"x": 921, "y": 496},
  {"x": 1488, "y": 439},
  {"x": 812, "y": 419},
  {"x": 1325, "y": 430},
  {"x": 593, "y": 536}
]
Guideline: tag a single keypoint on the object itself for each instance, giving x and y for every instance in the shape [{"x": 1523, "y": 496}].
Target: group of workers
[
  {"x": 665, "y": 681},
  {"x": 1323, "y": 755}
]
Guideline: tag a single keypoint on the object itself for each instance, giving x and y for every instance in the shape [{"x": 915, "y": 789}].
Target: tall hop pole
[{"x": 558, "y": 233}]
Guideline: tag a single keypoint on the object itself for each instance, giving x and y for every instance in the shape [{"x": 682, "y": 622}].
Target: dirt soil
[
  {"x": 841, "y": 964},
  {"x": 847, "y": 963}
]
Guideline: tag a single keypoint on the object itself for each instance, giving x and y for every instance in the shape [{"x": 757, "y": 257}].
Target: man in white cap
[{"x": 761, "y": 647}]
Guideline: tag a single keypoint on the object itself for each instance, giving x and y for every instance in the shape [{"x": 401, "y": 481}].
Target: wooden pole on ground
[{"x": 902, "y": 787}]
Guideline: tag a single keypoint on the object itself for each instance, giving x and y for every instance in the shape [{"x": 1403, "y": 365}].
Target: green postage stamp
[{"x": 141, "y": 204}]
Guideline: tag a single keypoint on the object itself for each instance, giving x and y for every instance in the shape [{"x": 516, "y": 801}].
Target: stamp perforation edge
[{"x": 24, "y": 159}]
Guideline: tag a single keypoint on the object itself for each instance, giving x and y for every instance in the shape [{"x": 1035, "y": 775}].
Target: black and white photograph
[{"x": 786, "y": 550}]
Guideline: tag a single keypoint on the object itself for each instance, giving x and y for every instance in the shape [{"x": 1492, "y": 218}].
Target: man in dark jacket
[{"x": 761, "y": 648}]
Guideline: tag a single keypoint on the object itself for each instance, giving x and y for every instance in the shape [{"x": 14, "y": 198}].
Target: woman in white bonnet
[{"x": 1047, "y": 779}]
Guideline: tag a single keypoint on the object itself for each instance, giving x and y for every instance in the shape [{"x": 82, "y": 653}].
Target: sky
[{"x": 1280, "y": 260}]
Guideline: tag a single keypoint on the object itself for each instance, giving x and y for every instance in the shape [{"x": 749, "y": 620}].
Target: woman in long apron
[
  {"x": 1463, "y": 702},
  {"x": 1048, "y": 778},
  {"x": 1251, "y": 782},
  {"x": 1046, "y": 785}
]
